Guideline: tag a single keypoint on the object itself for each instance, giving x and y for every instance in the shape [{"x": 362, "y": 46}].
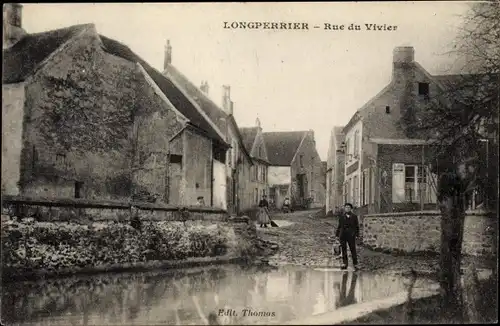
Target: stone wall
[
  {"x": 66, "y": 236},
  {"x": 414, "y": 232}
]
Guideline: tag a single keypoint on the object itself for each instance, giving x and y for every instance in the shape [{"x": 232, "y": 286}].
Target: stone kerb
[
  {"x": 420, "y": 231},
  {"x": 81, "y": 210}
]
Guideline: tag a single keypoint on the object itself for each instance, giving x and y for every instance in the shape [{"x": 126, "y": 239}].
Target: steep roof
[
  {"x": 21, "y": 60},
  {"x": 211, "y": 109},
  {"x": 248, "y": 134},
  {"x": 240, "y": 138},
  {"x": 167, "y": 87},
  {"x": 282, "y": 146}
]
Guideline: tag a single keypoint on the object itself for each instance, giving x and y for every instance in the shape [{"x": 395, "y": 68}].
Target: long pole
[{"x": 424, "y": 171}]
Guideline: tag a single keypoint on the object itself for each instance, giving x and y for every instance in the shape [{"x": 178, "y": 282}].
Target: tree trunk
[{"x": 452, "y": 227}]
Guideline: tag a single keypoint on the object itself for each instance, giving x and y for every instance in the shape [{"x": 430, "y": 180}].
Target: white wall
[
  {"x": 279, "y": 175},
  {"x": 12, "y": 131},
  {"x": 352, "y": 159},
  {"x": 219, "y": 200}
]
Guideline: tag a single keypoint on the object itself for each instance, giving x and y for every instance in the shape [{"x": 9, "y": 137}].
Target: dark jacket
[
  {"x": 348, "y": 226},
  {"x": 263, "y": 203}
]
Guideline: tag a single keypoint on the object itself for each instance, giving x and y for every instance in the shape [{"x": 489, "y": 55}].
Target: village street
[{"x": 303, "y": 239}]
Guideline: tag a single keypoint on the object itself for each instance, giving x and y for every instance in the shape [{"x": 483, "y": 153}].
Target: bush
[{"x": 55, "y": 246}]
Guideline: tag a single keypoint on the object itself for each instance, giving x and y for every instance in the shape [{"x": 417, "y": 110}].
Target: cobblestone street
[{"x": 303, "y": 239}]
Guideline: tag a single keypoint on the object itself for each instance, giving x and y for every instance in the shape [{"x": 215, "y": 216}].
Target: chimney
[
  {"x": 402, "y": 57},
  {"x": 257, "y": 122},
  {"x": 403, "y": 78},
  {"x": 168, "y": 55},
  {"x": 227, "y": 104},
  {"x": 12, "y": 24},
  {"x": 204, "y": 87}
]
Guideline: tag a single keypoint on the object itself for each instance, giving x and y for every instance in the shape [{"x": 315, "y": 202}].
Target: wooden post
[{"x": 424, "y": 171}]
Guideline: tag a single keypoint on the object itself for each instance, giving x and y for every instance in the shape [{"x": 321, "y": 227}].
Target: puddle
[{"x": 238, "y": 295}]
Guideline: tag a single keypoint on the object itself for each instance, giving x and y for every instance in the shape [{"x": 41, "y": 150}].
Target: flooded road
[{"x": 236, "y": 294}]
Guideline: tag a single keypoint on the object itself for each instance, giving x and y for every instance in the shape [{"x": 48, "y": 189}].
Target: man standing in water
[{"x": 347, "y": 231}]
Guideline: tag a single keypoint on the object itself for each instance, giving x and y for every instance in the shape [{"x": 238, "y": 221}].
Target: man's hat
[
  {"x": 348, "y": 204},
  {"x": 199, "y": 197}
]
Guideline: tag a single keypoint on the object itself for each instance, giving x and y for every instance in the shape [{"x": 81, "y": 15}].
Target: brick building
[{"x": 387, "y": 165}]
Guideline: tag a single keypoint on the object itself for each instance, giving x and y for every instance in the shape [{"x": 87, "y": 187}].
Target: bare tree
[{"x": 462, "y": 120}]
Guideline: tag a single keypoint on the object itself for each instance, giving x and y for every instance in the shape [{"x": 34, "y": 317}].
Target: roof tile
[{"x": 282, "y": 145}]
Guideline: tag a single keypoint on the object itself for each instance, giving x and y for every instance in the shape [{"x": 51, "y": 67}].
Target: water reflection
[
  {"x": 233, "y": 294},
  {"x": 346, "y": 298}
]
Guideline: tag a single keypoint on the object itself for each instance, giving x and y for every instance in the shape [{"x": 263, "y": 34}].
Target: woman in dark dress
[{"x": 264, "y": 212}]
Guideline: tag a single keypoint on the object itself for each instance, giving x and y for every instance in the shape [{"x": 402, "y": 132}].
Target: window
[
  {"x": 256, "y": 195},
  {"x": 423, "y": 89},
  {"x": 301, "y": 157},
  {"x": 356, "y": 143},
  {"x": 346, "y": 192},
  {"x": 372, "y": 186},
  {"x": 355, "y": 191},
  {"x": 411, "y": 183},
  {"x": 387, "y": 109},
  {"x": 78, "y": 189},
  {"x": 260, "y": 151},
  {"x": 415, "y": 181},
  {"x": 60, "y": 161},
  {"x": 312, "y": 178},
  {"x": 364, "y": 188}
]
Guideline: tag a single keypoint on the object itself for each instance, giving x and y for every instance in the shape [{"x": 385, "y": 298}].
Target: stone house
[
  {"x": 296, "y": 168},
  {"x": 253, "y": 139},
  {"x": 232, "y": 173},
  {"x": 387, "y": 166},
  {"x": 90, "y": 119},
  {"x": 335, "y": 170}
]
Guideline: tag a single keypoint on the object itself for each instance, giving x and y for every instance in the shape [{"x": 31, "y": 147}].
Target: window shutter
[
  {"x": 432, "y": 186},
  {"x": 398, "y": 182}
]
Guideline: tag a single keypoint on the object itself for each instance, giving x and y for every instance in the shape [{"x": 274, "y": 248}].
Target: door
[
  {"x": 301, "y": 185},
  {"x": 175, "y": 183},
  {"x": 219, "y": 185}
]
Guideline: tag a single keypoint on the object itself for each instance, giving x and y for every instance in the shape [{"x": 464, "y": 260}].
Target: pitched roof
[
  {"x": 240, "y": 137},
  {"x": 212, "y": 110},
  {"x": 282, "y": 146},
  {"x": 167, "y": 87},
  {"x": 21, "y": 60},
  {"x": 248, "y": 134}
]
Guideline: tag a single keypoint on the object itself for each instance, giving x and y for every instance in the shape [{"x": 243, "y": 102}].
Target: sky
[{"x": 289, "y": 79}]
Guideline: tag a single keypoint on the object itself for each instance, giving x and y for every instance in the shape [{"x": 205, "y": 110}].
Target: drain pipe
[{"x": 212, "y": 173}]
